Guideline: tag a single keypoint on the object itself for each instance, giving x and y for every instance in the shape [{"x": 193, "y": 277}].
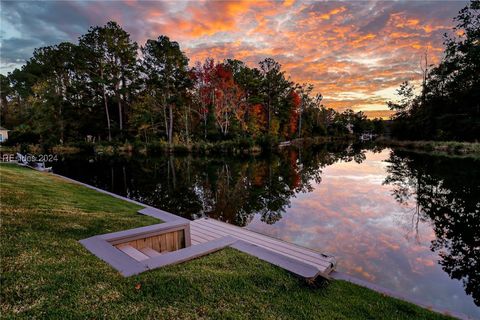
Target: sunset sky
[{"x": 355, "y": 53}]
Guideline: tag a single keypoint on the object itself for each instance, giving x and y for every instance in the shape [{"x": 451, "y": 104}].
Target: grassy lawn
[{"x": 46, "y": 273}]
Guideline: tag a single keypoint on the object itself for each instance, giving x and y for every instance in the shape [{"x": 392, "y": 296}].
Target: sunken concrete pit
[{"x": 137, "y": 250}]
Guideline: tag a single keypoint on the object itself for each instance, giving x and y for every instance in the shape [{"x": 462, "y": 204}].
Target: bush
[
  {"x": 245, "y": 143},
  {"x": 157, "y": 147},
  {"x": 268, "y": 142},
  {"x": 180, "y": 148},
  {"x": 22, "y": 136},
  {"x": 83, "y": 146}
]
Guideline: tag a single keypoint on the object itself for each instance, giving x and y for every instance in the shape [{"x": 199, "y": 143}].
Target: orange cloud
[
  {"x": 326, "y": 16},
  {"x": 353, "y": 53}
]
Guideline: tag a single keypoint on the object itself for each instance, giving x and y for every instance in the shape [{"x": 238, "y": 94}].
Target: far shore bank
[
  {"x": 243, "y": 147},
  {"x": 456, "y": 148},
  {"x": 232, "y": 147}
]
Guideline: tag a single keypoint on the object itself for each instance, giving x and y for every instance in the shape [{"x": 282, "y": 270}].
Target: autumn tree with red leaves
[
  {"x": 228, "y": 99},
  {"x": 295, "y": 103}
]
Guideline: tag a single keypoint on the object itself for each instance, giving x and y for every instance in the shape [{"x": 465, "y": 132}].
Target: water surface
[{"x": 408, "y": 222}]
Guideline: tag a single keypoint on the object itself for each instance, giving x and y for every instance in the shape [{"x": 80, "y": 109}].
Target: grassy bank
[
  {"x": 230, "y": 147},
  {"x": 441, "y": 147},
  {"x": 233, "y": 147},
  {"x": 46, "y": 273}
]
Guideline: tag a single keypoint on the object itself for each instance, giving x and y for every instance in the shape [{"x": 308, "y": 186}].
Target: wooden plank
[
  {"x": 160, "y": 214},
  {"x": 140, "y": 244},
  {"x": 150, "y": 252},
  {"x": 132, "y": 252},
  {"x": 268, "y": 243},
  {"x": 181, "y": 239},
  {"x": 285, "y": 251},
  {"x": 262, "y": 237},
  {"x": 197, "y": 240},
  {"x": 209, "y": 232},
  {"x": 295, "y": 266},
  {"x": 189, "y": 253},
  {"x": 102, "y": 249},
  {"x": 163, "y": 242},
  {"x": 175, "y": 240},
  {"x": 205, "y": 236},
  {"x": 156, "y": 243},
  {"x": 289, "y": 251},
  {"x": 169, "y": 238},
  {"x": 199, "y": 233},
  {"x": 144, "y": 232},
  {"x": 148, "y": 242},
  {"x": 186, "y": 234}
]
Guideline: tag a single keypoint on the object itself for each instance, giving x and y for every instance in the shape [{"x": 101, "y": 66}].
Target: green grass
[{"x": 47, "y": 274}]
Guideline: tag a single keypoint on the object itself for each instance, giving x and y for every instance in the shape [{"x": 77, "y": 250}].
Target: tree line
[
  {"x": 447, "y": 106},
  {"x": 106, "y": 88}
]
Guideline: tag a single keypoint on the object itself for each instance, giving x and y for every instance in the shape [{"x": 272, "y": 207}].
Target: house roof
[{"x": 2, "y": 128}]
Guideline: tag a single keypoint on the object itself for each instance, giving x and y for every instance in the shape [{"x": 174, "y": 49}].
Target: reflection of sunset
[
  {"x": 353, "y": 216},
  {"x": 355, "y": 53}
]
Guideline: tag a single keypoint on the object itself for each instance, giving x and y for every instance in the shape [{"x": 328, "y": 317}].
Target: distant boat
[
  {"x": 366, "y": 136},
  {"x": 284, "y": 144},
  {"x": 36, "y": 165},
  {"x": 22, "y": 159}
]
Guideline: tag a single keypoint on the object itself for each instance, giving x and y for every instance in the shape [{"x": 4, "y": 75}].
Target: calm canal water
[{"x": 408, "y": 222}]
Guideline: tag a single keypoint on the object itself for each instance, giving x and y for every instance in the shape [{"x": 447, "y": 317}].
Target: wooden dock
[{"x": 206, "y": 229}]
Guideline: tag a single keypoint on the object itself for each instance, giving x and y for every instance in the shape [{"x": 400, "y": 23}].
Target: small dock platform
[{"x": 206, "y": 229}]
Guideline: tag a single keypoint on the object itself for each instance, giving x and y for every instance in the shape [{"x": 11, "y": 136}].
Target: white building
[{"x": 3, "y": 134}]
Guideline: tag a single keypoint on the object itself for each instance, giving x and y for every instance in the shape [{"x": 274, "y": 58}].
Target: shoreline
[
  {"x": 239, "y": 148},
  {"x": 227, "y": 147},
  {"x": 446, "y": 148}
]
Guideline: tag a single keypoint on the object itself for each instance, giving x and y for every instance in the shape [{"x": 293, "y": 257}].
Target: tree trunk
[
  {"x": 165, "y": 119},
  {"x": 300, "y": 123},
  {"x": 226, "y": 124},
  {"x": 125, "y": 95},
  {"x": 60, "y": 112},
  {"x": 205, "y": 115},
  {"x": 107, "y": 113},
  {"x": 205, "y": 126},
  {"x": 120, "y": 112},
  {"x": 62, "y": 126},
  {"x": 186, "y": 125},
  {"x": 106, "y": 105},
  {"x": 268, "y": 115},
  {"x": 170, "y": 127}
]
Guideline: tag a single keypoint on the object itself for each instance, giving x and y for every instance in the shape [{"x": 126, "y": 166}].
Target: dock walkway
[{"x": 205, "y": 230}]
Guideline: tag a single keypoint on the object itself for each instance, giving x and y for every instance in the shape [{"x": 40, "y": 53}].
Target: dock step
[
  {"x": 132, "y": 252},
  {"x": 150, "y": 252}
]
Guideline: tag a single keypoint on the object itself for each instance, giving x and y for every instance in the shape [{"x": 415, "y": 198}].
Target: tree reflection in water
[
  {"x": 446, "y": 192},
  {"x": 230, "y": 189},
  {"x": 233, "y": 190}
]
